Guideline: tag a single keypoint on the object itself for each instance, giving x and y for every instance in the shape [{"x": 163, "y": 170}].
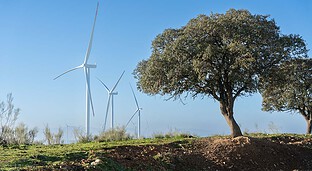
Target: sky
[{"x": 41, "y": 39}]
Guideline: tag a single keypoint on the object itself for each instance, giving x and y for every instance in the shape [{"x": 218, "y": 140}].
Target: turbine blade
[
  {"x": 132, "y": 117},
  {"x": 136, "y": 101},
  {"x": 118, "y": 81},
  {"x": 91, "y": 36},
  {"x": 107, "y": 109},
  {"x": 89, "y": 89},
  {"x": 104, "y": 85},
  {"x": 68, "y": 71}
]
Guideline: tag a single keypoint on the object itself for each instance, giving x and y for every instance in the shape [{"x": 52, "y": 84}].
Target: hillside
[{"x": 253, "y": 152}]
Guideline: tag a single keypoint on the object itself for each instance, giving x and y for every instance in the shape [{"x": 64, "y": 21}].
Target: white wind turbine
[
  {"x": 137, "y": 111},
  {"x": 111, "y": 94},
  {"x": 86, "y": 67}
]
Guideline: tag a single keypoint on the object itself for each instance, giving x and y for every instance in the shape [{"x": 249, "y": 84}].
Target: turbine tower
[
  {"x": 111, "y": 94},
  {"x": 137, "y": 111},
  {"x": 86, "y": 67}
]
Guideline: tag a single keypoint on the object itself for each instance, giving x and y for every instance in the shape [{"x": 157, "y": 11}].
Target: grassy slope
[{"x": 39, "y": 156}]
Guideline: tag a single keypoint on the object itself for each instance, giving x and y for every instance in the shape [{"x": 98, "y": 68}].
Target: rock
[{"x": 96, "y": 162}]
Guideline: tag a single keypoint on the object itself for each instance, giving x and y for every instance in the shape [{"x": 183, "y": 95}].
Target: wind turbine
[
  {"x": 138, "y": 111},
  {"x": 111, "y": 94},
  {"x": 86, "y": 67}
]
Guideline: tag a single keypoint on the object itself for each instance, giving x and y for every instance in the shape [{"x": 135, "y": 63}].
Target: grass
[
  {"x": 37, "y": 156},
  {"x": 264, "y": 135},
  {"x": 40, "y": 157}
]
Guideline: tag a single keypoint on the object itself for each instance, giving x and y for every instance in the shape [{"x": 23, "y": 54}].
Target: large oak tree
[
  {"x": 221, "y": 56},
  {"x": 289, "y": 88}
]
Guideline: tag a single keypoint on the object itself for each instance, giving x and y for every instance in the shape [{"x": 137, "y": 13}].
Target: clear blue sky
[{"x": 41, "y": 39}]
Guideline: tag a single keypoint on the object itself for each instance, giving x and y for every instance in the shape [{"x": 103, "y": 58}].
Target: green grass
[
  {"x": 38, "y": 156},
  {"x": 263, "y": 135}
]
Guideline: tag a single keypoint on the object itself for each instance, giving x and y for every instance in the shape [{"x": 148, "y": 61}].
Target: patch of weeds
[
  {"x": 164, "y": 159},
  {"x": 175, "y": 134},
  {"x": 158, "y": 136},
  {"x": 117, "y": 134}
]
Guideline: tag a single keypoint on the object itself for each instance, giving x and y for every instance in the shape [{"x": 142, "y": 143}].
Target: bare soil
[{"x": 214, "y": 153}]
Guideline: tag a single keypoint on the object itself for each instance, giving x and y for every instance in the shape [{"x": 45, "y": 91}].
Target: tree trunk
[
  {"x": 227, "y": 112},
  {"x": 309, "y": 126}
]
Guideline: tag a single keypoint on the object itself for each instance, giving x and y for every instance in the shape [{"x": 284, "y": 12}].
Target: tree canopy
[
  {"x": 221, "y": 56},
  {"x": 289, "y": 88}
]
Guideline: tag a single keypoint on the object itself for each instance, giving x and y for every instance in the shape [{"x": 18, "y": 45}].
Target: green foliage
[
  {"x": 117, "y": 134},
  {"x": 220, "y": 56},
  {"x": 230, "y": 48},
  {"x": 289, "y": 88}
]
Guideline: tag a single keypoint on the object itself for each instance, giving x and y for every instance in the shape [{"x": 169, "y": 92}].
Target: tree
[
  {"x": 221, "y": 56},
  {"x": 289, "y": 88}
]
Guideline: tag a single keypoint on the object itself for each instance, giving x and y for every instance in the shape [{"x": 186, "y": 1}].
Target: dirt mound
[
  {"x": 241, "y": 153},
  {"x": 244, "y": 153},
  {"x": 214, "y": 153}
]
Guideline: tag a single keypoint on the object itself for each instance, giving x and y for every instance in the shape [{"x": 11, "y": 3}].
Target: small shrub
[
  {"x": 23, "y": 135},
  {"x": 273, "y": 128},
  {"x": 53, "y": 138},
  {"x": 116, "y": 134},
  {"x": 158, "y": 136},
  {"x": 8, "y": 117},
  {"x": 81, "y": 136}
]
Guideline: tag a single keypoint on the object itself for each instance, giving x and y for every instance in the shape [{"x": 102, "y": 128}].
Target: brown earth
[{"x": 214, "y": 153}]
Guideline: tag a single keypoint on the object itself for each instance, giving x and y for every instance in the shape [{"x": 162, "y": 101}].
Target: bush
[
  {"x": 9, "y": 134},
  {"x": 53, "y": 138},
  {"x": 117, "y": 134},
  {"x": 23, "y": 135},
  {"x": 81, "y": 136},
  {"x": 8, "y": 116}
]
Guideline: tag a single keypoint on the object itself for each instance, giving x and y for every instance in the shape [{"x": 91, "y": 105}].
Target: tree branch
[{"x": 239, "y": 92}]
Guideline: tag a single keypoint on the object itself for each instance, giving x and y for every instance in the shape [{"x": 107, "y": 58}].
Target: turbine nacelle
[
  {"x": 113, "y": 93},
  {"x": 89, "y": 65}
]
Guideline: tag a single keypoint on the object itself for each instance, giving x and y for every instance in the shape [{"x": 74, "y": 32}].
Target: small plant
[
  {"x": 172, "y": 134},
  {"x": 23, "y": 135},
  {"x": 53, "y": 138},
  {"x": 8, "y": 116},
  {"x": 158, "y": 136},
  {"x": 9, "y": 133},
  {"x": 116, "y": 134},
  {"x": 273, "y": 128},
  {"x": 81, "y": 136}
]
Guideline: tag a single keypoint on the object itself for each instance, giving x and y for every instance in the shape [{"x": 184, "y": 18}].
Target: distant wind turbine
[
  {"x": 86, "y": 67},
  {"x": 111, "y": 94},
  {"x": 137, "y": 111}
]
